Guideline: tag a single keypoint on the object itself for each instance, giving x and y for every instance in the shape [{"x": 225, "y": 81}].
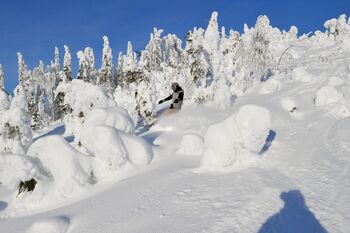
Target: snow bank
[
  {"x": 68, "y": 167},
  {"x": 191, "y": 144},
  {"x": 237, "y": 138},
  {"x": 16, "y": 168}
]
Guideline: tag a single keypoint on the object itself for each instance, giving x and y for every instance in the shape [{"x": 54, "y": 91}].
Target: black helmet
[{"x": 174, "y": 85}]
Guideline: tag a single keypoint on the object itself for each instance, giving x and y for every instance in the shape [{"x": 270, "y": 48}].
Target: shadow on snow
[
  {"x": 268, "y": 142},
  {"x": 294, "y": 217}
]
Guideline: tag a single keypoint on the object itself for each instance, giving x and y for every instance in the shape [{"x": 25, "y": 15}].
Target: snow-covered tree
[
  {"x": 15, "y": 131},
  {"x": 106, "y": 72},
  {"x": 2, "y": 85},
  {"x": 198, "y": 65},
  {"x": 67, "y": 63},
  {"x": 153, "y": 54}
]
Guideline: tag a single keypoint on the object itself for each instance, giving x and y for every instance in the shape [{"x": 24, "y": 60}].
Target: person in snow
[{"x": 176, "y": 97}]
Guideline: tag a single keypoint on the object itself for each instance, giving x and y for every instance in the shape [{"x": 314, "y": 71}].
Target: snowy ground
[{"x": 299, "y": 182}]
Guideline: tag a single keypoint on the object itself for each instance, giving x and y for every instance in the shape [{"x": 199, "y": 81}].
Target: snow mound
[
  {"x": 52, "y": 225},
  {"x": 112, "y": 116},
  {"x": 68, "y": 167},
  {"x": 140, "y": 152},
  {"x": 107, "y": 134},
  {"x": 191, "y": 144},
  {"x": 238, "y": 138},
  {"x": 105, "y": 143},
  {"x": 328, "y": 95},
  {"x": 81, "y": 97},
  {"x": 300, "y": 74},
  {"x": 289, "y": 104},
  {"x": 16, "y": 168}
]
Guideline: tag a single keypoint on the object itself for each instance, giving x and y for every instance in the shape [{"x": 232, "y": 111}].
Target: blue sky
[{"x": 35, "y": 27}]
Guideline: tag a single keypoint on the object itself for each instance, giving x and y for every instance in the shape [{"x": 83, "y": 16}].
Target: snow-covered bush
[
  {"x": 237, "y": 138},
  {"x": 191, "y": 144},
  {"x": 81, "y": 97},
  {"x": 68, "y": 168},
  {"x": 15, "y": 169}
]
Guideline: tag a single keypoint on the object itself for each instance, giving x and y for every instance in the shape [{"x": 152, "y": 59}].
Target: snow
[
  {"x": 52, "y": 225},
  {"x": 192, "y": 144},
  {"x": 16, "y": 168},
  {"x": 68, "y": 168},
  {"x": 237, "y": 138},
  {"x": 275, "y": 159}
]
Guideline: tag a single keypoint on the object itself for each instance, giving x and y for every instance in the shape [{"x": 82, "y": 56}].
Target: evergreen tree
[
  {"x": 106, "y": 76},
  {"x": 194, "y": 49},
  {"x": 67, "y": 63},
  {"x": 153, "y": 54}
]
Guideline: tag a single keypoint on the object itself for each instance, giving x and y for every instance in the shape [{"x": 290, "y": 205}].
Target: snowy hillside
[{"x": 261, "y": 145}]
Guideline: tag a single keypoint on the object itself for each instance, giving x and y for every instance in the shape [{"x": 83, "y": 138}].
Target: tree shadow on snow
[
  {"x": 268, "y": 142},
  {"x": 59, "y": 130},
  {"x": 294, "y": 217},
  {"x": 3, "y": 205}
]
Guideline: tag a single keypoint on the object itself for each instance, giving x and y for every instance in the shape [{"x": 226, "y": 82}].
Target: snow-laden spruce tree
[
  {"x": 257, "y": 58},
  {"x": 15, "y": 131},
  {"x": 67, "y": 63},
  {"x": 27, "y": 83},
  {"x": 153, "y": 54},
  {"x": 106, "y": 72}
]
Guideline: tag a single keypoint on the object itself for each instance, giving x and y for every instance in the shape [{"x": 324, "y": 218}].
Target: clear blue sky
[{"x": 35, "y": 27}]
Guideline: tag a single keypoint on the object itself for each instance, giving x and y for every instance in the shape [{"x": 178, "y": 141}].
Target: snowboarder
[{"x": 177, "y": 97}]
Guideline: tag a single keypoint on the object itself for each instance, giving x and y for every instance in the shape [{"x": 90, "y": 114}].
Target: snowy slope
[{"x": 299, "y": 182}]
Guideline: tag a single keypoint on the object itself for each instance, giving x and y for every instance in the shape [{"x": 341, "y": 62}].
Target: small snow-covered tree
[
  {"x": 67, "y": 63},
  {"x": 106, "y": 75},
  {"x": 15, "y": 131},
  {"x": 83, "y": 66}
]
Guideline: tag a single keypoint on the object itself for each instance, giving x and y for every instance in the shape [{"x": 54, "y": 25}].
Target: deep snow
[{"x": 297, "y": 179}]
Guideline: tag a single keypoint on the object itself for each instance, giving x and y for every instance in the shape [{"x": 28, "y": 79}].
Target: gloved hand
[{"x": 160, "y": 101}]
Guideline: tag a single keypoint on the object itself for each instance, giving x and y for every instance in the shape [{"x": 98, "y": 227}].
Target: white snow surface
[{"x": 282, "y": 173}]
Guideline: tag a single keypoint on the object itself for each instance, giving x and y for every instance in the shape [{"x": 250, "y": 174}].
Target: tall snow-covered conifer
[
  {"x": 67, "y": 63},
  {"x": 106, "y": 75}
]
